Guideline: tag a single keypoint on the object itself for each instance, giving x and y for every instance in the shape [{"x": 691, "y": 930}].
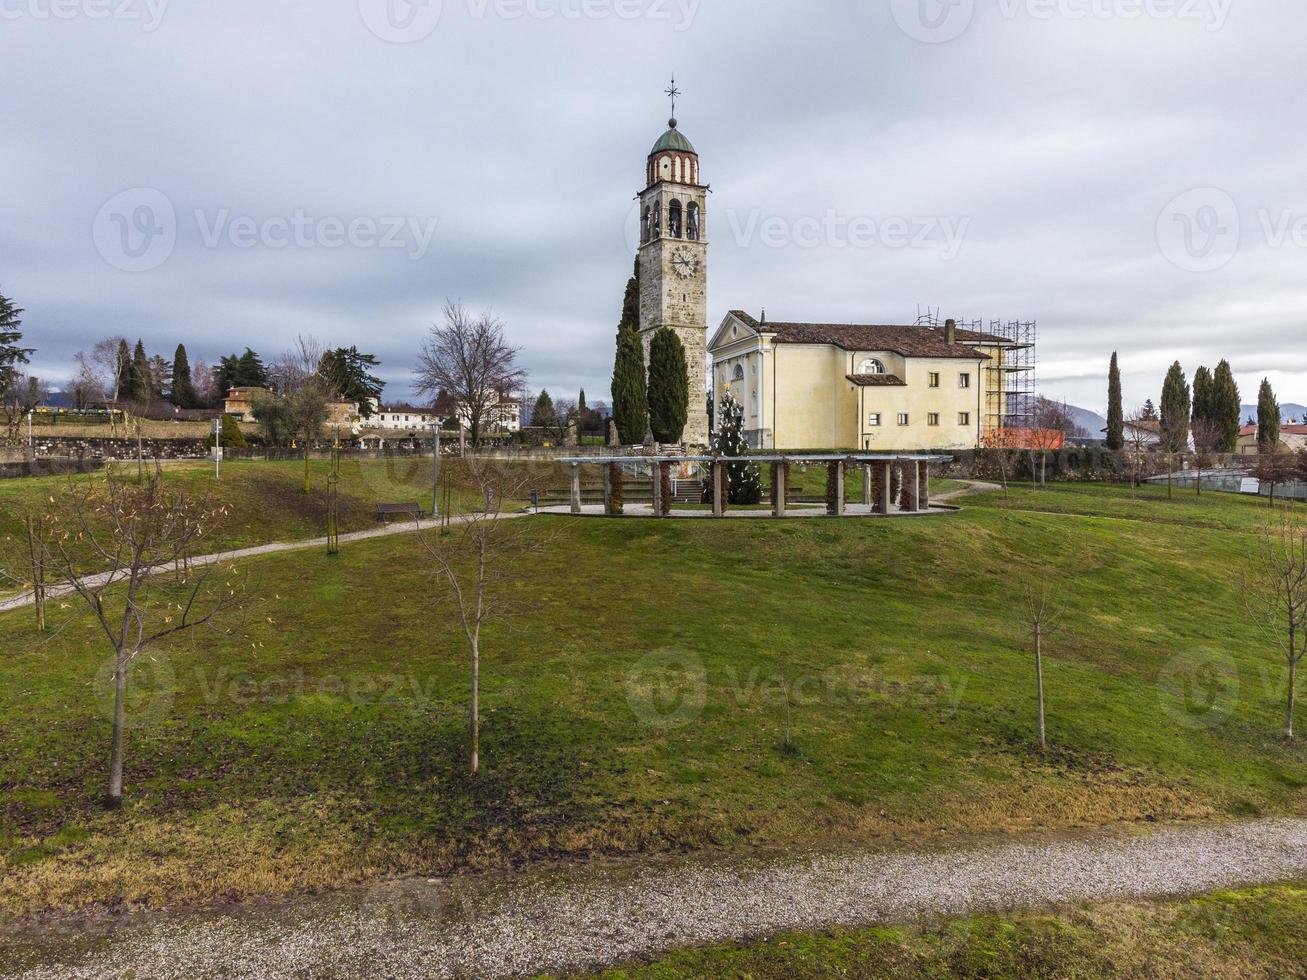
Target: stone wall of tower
[{"x": 668, "y": 299}]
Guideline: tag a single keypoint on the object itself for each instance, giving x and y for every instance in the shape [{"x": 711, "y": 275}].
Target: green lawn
[
  {"x": 634, "y": 705},
  {"x": 1259, "y": 932}
]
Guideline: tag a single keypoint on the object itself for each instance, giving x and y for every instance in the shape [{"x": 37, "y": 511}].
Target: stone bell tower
[{"x": 674, "y": 262}]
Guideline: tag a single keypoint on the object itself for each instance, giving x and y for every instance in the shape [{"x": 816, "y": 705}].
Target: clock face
[{"x": 684, "y": 263}]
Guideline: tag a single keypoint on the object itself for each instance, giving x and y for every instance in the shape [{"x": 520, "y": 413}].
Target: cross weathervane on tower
[{"x": 673, "y": 92}]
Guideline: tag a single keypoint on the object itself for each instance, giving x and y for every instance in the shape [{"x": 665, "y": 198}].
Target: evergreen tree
[
  {"x": 543, "y": 414},
  {"x": 1226, "y": 402},
  {"x": 138, "y": 386},
  {"x": 1268, "y": 419},
  {"x": 669, "y": 387},
  {"x": 631, "y": 302},
  {"x": 630, "y": 392},
  {"x": 252, "y": 372},
  {"x": 1202, "y": 407},
  {"x": 745, "y": 482},
  {"x": 580, "y": 404},
  {"x": 1175, "y": 410},
  {"x": 348, "y": 372},
  {"x": 181, "y": 392},
  {"x": 159, "y": 374},
  {"x": 11, "y": 355},
  {"x": 1150, "y": 411},
  {"x": 1115, "y": 411}
]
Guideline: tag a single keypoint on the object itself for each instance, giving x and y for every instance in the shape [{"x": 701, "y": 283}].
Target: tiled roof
[
  {"x": 904, "y": 340},
  {"x": 877, "y": 380}
]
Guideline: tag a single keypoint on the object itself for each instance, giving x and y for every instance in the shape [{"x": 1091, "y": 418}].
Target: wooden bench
[{"x": 386, "y": 511}]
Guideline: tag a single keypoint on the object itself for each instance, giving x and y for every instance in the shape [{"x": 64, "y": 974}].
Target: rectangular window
[
  {"x": 964, "y": 380},
  {"x": 934, "y": 379},
  {"x": 964, "y": 418},
  {"x": 932, "y": 418},
  {"x": 903, "y": 418},
  {"x": 873, "y": 420}
]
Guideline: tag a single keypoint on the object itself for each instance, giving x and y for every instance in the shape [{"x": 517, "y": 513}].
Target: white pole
[{"x": 217, "y": 448}]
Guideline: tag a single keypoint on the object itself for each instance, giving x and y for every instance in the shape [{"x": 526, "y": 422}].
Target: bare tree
[
  {"x": 1041, "y": 620},
  {"x": 21, "y": 394},
  {"x": 1137, "y": 444},
  {"x": 1274, "y": 469},
  {"x": 110, "y": 544},
  {"x": 1001, "y": 448},
  {"x": 1051, "y": 424},
  {"x": 88, "y": 383},
  {"x": 1275, "y": 590},
  {"x": 306, "y": 395},
  {"x": 474, "y": 561},
  {"x": 107, "y": 355},
  {"x": 29, "y": 574},
  {"x": 1208, "y": 436},
  {"x": 469, "y": 359}
]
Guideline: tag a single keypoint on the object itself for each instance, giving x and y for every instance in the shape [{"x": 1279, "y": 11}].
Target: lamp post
[{"x": 435, "y": 468}]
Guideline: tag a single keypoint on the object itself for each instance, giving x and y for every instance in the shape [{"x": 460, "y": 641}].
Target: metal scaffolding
[{"x": 1010, "y": 380}]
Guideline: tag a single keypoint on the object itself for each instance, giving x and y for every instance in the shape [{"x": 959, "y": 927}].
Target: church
[{"x": 806, "y": 385}]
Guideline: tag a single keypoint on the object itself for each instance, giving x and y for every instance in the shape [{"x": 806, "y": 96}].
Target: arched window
[
  {"x": 692, "y": 222},
  {"x": 674, "y": 219},
  {"x": 646, "y": 226},
  {"x": 739, "y": 373},
  {"x": 872, "y": 366}
]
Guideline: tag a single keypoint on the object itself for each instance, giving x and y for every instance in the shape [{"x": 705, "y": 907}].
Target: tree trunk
[
  {"x": 1043, "y": 469},
  {"x": 476, "y": 705},
  {"x": 1039, "y": 684},
  {"x": 121, "y": 663},
  {"x": 1288, "y": 715},
  {"x": 308, "y": 487}
]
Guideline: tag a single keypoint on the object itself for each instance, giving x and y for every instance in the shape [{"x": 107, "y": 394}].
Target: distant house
[
  {"x": 1292, "y": 439},
  {"x": 402, "y": 418},
  {"x": 1145, "y": 433},
  {"x": 239, "y": 403},
  {"x": 505, "y": 415}
]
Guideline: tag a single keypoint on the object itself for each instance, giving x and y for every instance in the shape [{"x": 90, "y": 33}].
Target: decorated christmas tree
[{"x": 745, "y": 480}]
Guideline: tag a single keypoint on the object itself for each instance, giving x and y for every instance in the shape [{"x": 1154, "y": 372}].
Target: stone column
[
  {"x": 608, "y": 490},
  {"x": 718, "y": 478},
  {"x": 925, "y": 487},
  {"x": 779, "y": 489},
  {"x": 839, "y": 488},
  {"x": 866, "y": 486},
  {"x": 887, "y": 489},
  {"x": 916, "y": 486},
  {"x": 656, "y": 473},
  {"x": 576, "y": 488}
]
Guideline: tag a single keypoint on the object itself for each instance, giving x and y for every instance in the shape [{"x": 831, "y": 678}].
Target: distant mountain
[
  {"x": 1287, "y": 411},
  {"x": 1091, "y": 422}
]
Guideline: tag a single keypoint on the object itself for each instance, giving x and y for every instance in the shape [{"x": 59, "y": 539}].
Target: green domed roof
[{"x": 672, "y": 140}]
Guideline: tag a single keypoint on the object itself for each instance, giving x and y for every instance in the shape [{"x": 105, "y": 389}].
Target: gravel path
[
  {"x": 385, "y": 530},
  {"x": 588, "y": 915}
]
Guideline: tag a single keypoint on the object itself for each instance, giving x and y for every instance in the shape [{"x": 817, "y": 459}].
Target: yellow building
[{"x": 848, "y": 386}]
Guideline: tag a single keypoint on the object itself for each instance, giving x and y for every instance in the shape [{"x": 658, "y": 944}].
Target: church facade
[{"x": 865, "y": 387}]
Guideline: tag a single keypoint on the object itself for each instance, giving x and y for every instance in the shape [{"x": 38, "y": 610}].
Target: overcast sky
[{"x": 1127, "y": 172}]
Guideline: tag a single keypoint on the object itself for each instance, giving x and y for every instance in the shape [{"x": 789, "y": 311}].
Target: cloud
[{"x": 520, "y": 130}]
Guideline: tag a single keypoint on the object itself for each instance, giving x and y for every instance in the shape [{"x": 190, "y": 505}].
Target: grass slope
[
  {"x": 635, "y": 704},
  {"x": 1258, "y": 932}
]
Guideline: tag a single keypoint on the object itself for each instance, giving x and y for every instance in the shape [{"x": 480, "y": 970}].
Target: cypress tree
[
  {"x": 1115, "y": 411},
  {"x": 630, "y": 393},
  {"x": 139, "y": 390},
  {"x": 1203, "y": 391},
  {"x": 669, "y": 387},
  {"x": 1268, "y": 419},
  {"x": 543, "y": 414},
  {"x": 1226, "y": 407},
  {"x": 251, "y": 372},
  {"x": 1175, "y": 410},
  {"x": 631, "y": 302},
  {"x": 181, "y": 393}
]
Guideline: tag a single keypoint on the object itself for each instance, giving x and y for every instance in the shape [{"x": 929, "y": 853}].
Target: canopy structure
[{"x": 876, "y": 468}]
